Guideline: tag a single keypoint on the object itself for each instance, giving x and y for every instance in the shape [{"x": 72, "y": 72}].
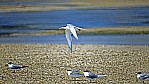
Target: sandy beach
[{"x": 48, "y": 63}]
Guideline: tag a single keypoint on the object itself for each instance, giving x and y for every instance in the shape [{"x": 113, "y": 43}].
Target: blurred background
[{"x": 37, "y": 21}]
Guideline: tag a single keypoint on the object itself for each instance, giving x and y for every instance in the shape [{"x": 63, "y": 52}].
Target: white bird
[
  {"x": 71, "y": 30},
  {"x": 74, "y": 73},
  {"x": 142, "y": 76},
  {"x": 14, "y": 67},
  {"x": 91, "y": 75}
]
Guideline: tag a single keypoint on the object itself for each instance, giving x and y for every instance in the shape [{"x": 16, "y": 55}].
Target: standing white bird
[
  {"x": 14, "y": 67},
  {"x": 70, "y": 30},
  {"x": 91, "y": 75},
  {"x": 142, "y": 76}
]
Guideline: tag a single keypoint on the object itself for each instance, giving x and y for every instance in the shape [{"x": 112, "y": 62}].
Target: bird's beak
[
  {"x": 82, "y": 29},
  {"x": 61, "y": 28},
  {"x": 136, "y": 73}
]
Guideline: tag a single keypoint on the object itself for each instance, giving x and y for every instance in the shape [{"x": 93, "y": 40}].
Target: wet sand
[{"x": 48, "y": 63}]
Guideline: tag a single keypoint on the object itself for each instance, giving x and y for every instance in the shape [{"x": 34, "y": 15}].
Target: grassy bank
[
  {"x": 29, "y": 8},
  {"x": 88, "y": 31},
  {"x": 73, "y": 4},
  {"x": 101, "y": 31},
  {"x": 48, "y": 63},
  {"x": 113, "y": 3},
  {"x": 121, "y": 30}
]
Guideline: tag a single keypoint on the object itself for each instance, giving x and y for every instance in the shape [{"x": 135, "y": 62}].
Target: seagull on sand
[
  {"x": 71, "y": 30},
  {"x": 142, "y": 76},
  {"x": 74, "y": 73},
  {"x": 91, "y": 75},
  {"x": 14, "y": 67}
]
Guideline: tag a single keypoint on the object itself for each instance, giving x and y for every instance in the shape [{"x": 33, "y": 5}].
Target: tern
[
  {"x": 74, "y": 73},
  {"x": 14, "y": 67},
  {"x": 71, "y": 30},
  {"x": 91, "y": 75},
  {"x": 142, "y": 76}
]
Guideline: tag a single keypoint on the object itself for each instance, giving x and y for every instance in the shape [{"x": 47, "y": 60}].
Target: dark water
[{"x": 12, "y": 22}]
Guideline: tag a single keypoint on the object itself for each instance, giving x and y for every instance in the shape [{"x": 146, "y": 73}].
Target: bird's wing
[
  {"x": 69, "y": 39},
  {"x": 92, "y": 76},
  {"x": 78, "y": 28},
  {"x": 99, "y": 75},
  {"x": 145, "y": 76},
  {"x": 15, "y": 66},
  {"x": 76, "y": 71},
  {"x": 73, "y": 31}
]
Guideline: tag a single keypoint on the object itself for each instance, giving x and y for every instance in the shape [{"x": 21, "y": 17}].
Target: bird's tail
[
  {"x": 24, "y": 66},
  {"x": 70, "y": 49},
  {"x": 102, "y": 75}
]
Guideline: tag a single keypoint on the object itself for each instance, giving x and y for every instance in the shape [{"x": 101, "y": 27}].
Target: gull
[
  {"x": 142, "y": 76},
  {"x": 14, "y": 67},
  {"x": 71, "y": 30},
  {"x": 91, "y": 75},
  {"x": 74, "y": 73}
]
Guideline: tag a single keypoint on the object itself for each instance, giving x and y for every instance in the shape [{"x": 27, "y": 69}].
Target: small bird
[
  {"x": 71, "y": 30},
  {"x": 74, "y": 73},
  {"x": 91, "y": 75},
  {"x": 142, "y": 76},
  {"x": 14, "y": 67}
]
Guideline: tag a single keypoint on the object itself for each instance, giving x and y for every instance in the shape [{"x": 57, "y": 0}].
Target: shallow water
[{"x": 83, "y": 39}]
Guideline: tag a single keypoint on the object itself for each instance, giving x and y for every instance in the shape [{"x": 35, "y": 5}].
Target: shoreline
[
  {"x": 30, "y": 8},
  {"x": 48, "y": 63},
  {"x": 88, "y": 31}
]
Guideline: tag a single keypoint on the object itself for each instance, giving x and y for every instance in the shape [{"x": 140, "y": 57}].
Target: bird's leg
[
  {"x": 90, "y": 81},
  {"x": 13, "y": 71}
]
